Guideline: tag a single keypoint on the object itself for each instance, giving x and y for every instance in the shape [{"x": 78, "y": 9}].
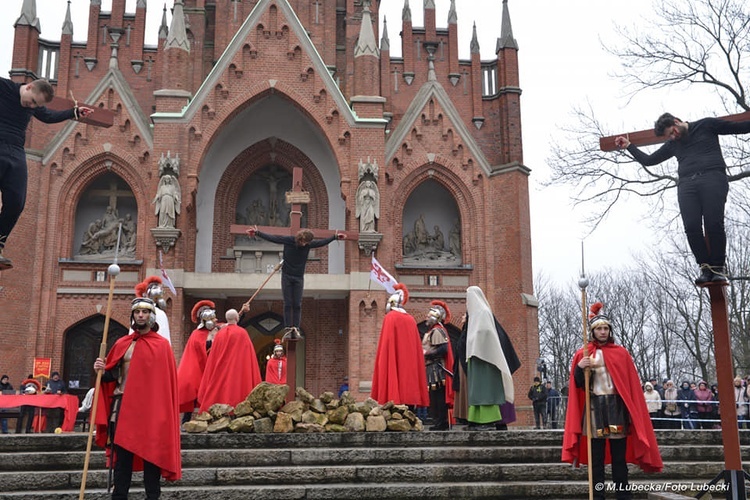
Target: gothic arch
[
  {"x": 248, "y": 163},
  {"x": 78, "y": 183},
  {"x": 455, "y": 187}
]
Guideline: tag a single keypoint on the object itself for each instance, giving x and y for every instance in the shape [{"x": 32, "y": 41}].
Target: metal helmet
[
  {"x": 141, "y": 303},
  {"x": 596, "y": 318},
  {"x": 152, "y": 288},
  {"x": 438, "y": 313},
  {"x": 398, "y": 299},
  {"x": 207, "y": 308}
]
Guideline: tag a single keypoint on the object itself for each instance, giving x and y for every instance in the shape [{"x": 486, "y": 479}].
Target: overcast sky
[{"x": 562, "y": 65}]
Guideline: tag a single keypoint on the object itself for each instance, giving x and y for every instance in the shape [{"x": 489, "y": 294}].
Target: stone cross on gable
[
  {"x": 296, "y": 198},
  {"x": 648, "y": 137},
  {"x": 112, "y": 193}
]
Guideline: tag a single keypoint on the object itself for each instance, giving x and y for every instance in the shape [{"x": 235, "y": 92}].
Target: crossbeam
[
  {"x": 648, "y": 137},
  {"x": 99, "y": 117}
]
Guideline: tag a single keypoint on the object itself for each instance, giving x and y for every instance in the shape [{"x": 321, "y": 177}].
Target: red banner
[{"x": 42, "y": 367}]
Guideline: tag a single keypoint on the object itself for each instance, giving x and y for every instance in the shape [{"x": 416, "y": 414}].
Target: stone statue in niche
[
  {"x": 168, "y": 199},
  {"x": 368, "y": 196},
  {"x": 454, "y": 239}
]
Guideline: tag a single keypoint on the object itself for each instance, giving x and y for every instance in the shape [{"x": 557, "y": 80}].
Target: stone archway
[
  {"x": 432, "y": 227},
  {"x": 81, "y": 348}
]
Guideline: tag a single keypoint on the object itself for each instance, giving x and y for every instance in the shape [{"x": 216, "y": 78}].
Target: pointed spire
[
  {"x": 506, "y": 40},
  {"x": 429, "y": 4},
  {"x": 177, "y": 38},
  {"x": 163, "y": 29},
  {"x": 366, "y": 44},
  {"x": 474, "y": 40},
  {"x": 452, "y": 16},
  {"x": 385, "y": 44},
  {"x": 28, "y": 15},
  {"x": 67, "y": 27},
  {"x": 406, "y": 13},
  {"x": 141, "y": 4}
]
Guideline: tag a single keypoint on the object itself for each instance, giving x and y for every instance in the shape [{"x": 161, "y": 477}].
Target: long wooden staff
[
  {"x": 276, "y": 268},
  {"x": 113, "y": 271},
  {"x": 583, "y": 283}
]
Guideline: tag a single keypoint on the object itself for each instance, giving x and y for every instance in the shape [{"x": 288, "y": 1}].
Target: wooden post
[{"x": 733, "y": 474}]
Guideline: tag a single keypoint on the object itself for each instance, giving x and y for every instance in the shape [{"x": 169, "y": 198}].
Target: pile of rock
[{"x": 265, "y": 410}]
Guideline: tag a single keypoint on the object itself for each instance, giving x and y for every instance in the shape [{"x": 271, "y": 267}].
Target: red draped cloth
[
  {"x": 67, "y": 402},
  {"x": 232, "y": 369},
  {"x": 642, "y": 449},
  {"x": 190, "y": 371},
  {"x": 148, "y": 424},
  {"x": 400, "y": 375},
  {"x": 272, "y": 370}
]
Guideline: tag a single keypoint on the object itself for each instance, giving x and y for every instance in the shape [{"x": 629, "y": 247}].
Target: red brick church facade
[{"x": 233, "y": 98}]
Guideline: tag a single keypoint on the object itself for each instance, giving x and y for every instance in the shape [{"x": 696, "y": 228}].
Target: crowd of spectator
[{"x": 691, "y": 405}]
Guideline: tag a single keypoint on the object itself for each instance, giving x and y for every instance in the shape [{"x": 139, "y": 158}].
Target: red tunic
[
  {"x": 191, "y": 368},
  {"x": 642, "y": 449},
  {"x": 272, "y": 370},
  {"x": 232, "y": 369},
  {"x": 400, "y": 375},
  {"x": 148, "y": 424}
]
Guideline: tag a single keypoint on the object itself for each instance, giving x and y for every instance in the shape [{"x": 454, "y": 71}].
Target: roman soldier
[
  {"x": 151, "y": 288},
  {"x": 399, "y": 374},
  {"x": 139, "y": 375},
  {"x": 621, "y": 430},
  {"x": 276, "y": 366},
  {"x": 438, "y": 356},
  {"x": 193, "y": 362}
]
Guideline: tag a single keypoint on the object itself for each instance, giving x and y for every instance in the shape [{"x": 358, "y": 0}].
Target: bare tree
[{"x": 682, "y": 44}]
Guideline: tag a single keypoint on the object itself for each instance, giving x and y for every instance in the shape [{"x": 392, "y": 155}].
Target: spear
[
  {"x": 583, "y": 282},
  {"x": 276, "y": 268},
  {"x": 113, "y": 271}
]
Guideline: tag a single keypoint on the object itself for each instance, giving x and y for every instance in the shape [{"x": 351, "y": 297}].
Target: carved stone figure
[
  {"x": 438, "y": 240},
  {"x": 368, "y": 206},
  {"x": 167, "y": 201},
  {"x": 454, "y": 240}
]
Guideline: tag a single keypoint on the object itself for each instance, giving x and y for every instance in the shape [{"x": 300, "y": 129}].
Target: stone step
[
  {"x": 395, "y": 473},
  {"x": 510, "y": 490}
]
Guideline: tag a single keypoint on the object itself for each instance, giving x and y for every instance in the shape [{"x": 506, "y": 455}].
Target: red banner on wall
[{"x": 42, "y": 367}]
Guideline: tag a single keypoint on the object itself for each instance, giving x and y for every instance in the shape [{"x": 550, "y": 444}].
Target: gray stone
[
  {"x": 311, "y": 417},
  {"x": 327, "y": 397},
  {"x": 263, "y": 425},
  {"x": 284, "y": 423},
  {"x": 295, "y": 409},
  {"x": 304, "y": 396},
  {"x": 376, "y": 423},
  {"x": 243, "y": 408},
  {"x": 219, "y": 425},
  {"x": 203, "y": 417},
  {"x": 335, "y": 428},
  {"x": 220, "y": 410},
  {"x": 242, "y": 424},
  {"x": 318, "y": 406},
  {"x": 303, "y": 428},
  {"x": 399, "y": 425},
  {"x": 338, "y": 416},
  {"x": 267, "y": 397},
  {"x": 355, "y": 422},
  {"x": 195, "y": 426}
]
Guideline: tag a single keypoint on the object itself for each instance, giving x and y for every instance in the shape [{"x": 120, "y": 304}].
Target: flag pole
[
  {"x": 583, "y": 282},
  {"x": 113, "y": 271}
]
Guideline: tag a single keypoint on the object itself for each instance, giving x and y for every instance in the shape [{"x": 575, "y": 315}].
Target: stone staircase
[{"x": 515, "y": 464}]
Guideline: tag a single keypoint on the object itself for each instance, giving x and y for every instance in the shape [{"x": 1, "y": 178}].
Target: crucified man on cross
[
  {"x": 702, "y": 180},
  {"x": 296, "y": 251}
]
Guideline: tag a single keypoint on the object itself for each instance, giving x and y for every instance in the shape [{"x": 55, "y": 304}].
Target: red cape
[
  {"x": 149, "y": 421},
  {"x": 190, "y": 371},
  {"x": 232, "y": 369},
  {"x": 642, "y": 449},
  {"x": 400, "y": 375},
  {"x": 272, "y": 370}
]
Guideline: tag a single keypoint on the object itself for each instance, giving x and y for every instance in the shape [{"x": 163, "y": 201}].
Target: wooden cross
[
  {"x": 296, "y": 197},
  {"x": 648, "y": 137},
  {"x": 112, "y": 193}
]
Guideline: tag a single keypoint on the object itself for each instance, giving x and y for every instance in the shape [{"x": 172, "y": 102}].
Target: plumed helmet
[
  {"x": 144, "y": 303},
  {"x": 32, "y": 386},
  {"x": 399, "y": 298},
  {"x": 199, "y": 308},
  {"x": 278, "y": 346},
  {"x": 596, "y": 318},
  {"x": 439, "y": 312},
  {"x": 152, "y": 288}
]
